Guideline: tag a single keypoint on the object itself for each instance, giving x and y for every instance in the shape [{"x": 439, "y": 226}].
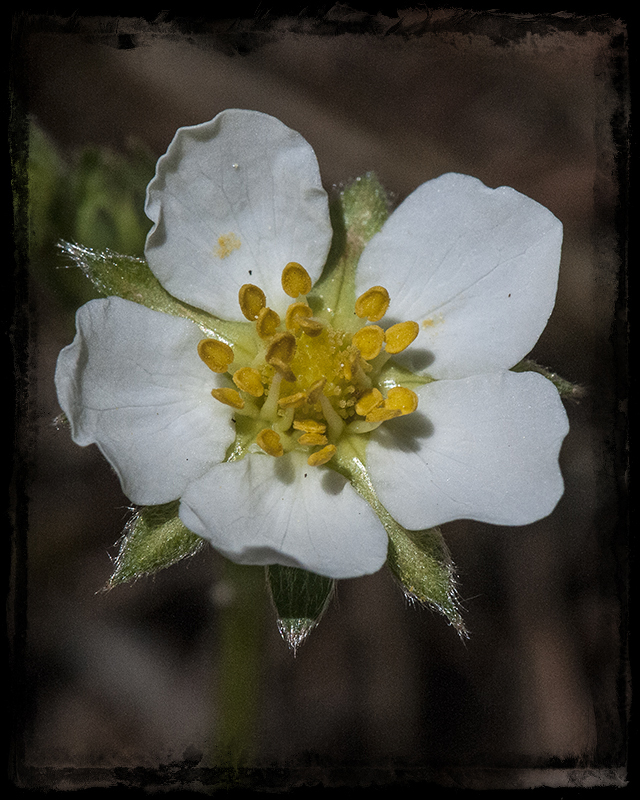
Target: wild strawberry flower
[{"x": 401, "y": 370}]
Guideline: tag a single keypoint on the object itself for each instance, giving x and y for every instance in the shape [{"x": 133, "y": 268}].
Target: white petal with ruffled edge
[
  {"x": 265, "y": 510},
  {"x": 233, "y": 201},
  {"x": 132, "y": 383},
  {"x": 483, "y": 448},
  {"x": 477, "y": 268}
]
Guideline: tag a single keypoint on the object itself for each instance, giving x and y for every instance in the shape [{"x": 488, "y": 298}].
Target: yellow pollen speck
[
  {"x": 402, "y": 399},
  {"x": 373, "y": 304},
  {"x": 295, "y": 280},
  {"x": 269, "y": 441},
  {"x": 369, "y": 341},
  {"x": 227, "y": 243},
  {"x": 229, "y": 397},
  {"x": 309, "y": 426},
  {"x": 252, "y": 300},
  {"x": 312, "y": 439},
  {"x": 322, "y": 456},
  {"x": 267, "y": 323},
  {"x": 382, "y": 414},
  {"x": 215, "y": 354},
  {"x": 399, "y": 337},
  {"x": 248, "y": 380},
  {"x": 369, "y": 400}
]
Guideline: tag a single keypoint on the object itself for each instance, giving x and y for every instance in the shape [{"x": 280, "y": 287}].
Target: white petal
[
  {"x": 484, "y": 448},
  {"x": 477, "y": 268},
  {"x": 233, "y": 201},
  {"x": 265, "y": 510},
  {"x": 132, "y": 383}
]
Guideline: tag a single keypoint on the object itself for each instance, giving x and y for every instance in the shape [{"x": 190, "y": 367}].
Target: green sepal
[
  {"x": 420, "y": 560},
  {"x": 300, "y": 599},
  {"x": 132, "y": 279},
  {"x": 357, "y": 213},
  {"x": 153, "y": 539},
  {"x": 566, "y": 389}
]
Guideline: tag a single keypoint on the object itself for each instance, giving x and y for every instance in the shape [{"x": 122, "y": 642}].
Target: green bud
[
  {"x": 153, "y": 539},
  {"x": 300, "y": 599}
]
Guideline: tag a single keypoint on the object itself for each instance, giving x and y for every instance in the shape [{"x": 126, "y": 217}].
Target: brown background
[{"x": 380, "y": 693}]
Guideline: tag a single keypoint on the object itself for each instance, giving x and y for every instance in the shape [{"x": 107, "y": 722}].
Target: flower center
[{"x": 311, "y": 384}]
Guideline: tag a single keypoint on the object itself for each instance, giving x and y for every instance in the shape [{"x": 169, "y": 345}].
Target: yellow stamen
[
  {"x": 309, "y": 426},
  {"x": 369, "y": 400},
  {"x": 382, "y": 414},
  {"x": 295, "y": 313},
  {"x": 398, "y": 337},
  {"x": 402, "y": 399},
  {"x": 284, "y": 369},
  {"x": 315, "y": 390},
  {"x": 216, "y": 355},
  {"x": 311, "y": 326},
  {"x": 293, "y": 400},
  {"x": 252, "y": 299},
  {"x": 369, "y": 341},
  {"x": 270, "y": 442},
  {"x": 322, "y": 456},
  {"x": 282, "y": 347},
  {"x": 229, "y": 397},
  {"x": 313, "y": 439},
  {"x": 373, "y": 303},
  {"x": 295, "y": 280},
  {"x": 248, "y": 380},
  {"x": 267, "y": 323}
]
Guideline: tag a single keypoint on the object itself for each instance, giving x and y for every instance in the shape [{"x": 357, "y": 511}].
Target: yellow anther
[
  {"x": 248, "y": 380},
  {"x": 216, "y": 355},
  {"x": 270, "y": 442},
  {"x": 382, "y": 414},
  {"x": 282, "y": 347},
  {"x": 315, "y": 390},
  {"x": 295, "y": 280},
  {"x": 252, "y": 299},
  {"x": 313, "y": 439},
  {"x": 402, "y": 399},
  {"x": 309, "y": 426},
  {"x": 400, "y": 336},
  {"x": 267, "y": 323},
  {"x": 229, "y": 397},
  {"x": 369, "y": 341},
  {"x": 284, "y": 369},
  {"x": 293, "y": 400},
  {"x": 295, "y": 313},
  {"x": 322, "y": 456},
  {"x": 373, "y": 304},
  {"x": 311, "y": 326},
  {"x": 369, "y": 400}
]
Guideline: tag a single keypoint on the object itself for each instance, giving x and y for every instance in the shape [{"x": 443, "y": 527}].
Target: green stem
[{"x": 240, "y": 650}]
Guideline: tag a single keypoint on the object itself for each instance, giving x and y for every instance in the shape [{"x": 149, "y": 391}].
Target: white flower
[{"x": 254, "y": 435}]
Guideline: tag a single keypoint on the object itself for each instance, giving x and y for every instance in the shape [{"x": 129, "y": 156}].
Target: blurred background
[{"x": 124, "y": 686}]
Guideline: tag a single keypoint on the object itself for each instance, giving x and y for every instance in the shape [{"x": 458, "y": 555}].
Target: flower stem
[{"x": 238, "y": 669}]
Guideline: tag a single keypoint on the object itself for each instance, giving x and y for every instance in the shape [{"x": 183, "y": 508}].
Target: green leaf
[
  {"x": 153, "y": 539},
  {"x": 358, "y": 212},
  {"x": 300, "y": 599},
  {"x": 565, "y": 388}
]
